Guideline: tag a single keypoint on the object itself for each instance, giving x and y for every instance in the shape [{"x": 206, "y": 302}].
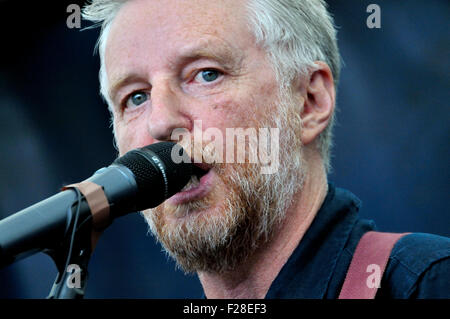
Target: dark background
[{"x": 391, "y": 150}]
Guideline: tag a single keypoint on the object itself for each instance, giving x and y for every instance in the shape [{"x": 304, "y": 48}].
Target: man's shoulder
[
  {"x": 417, "y": 250},
  {"x": 418, "y": 268}
]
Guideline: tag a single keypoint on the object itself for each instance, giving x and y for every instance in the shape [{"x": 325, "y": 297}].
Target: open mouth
[
  {"x": 199, "y": 185},
  {"x": 198, "y": 171}
]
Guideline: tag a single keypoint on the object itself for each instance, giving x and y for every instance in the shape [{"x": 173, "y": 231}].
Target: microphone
[{"x": 142, "y": 178}]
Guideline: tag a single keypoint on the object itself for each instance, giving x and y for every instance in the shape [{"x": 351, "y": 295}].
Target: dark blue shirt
[{"x": 419, "y": 265}]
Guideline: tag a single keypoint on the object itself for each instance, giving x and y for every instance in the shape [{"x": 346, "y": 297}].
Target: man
[{"x": 197, "y": 65}]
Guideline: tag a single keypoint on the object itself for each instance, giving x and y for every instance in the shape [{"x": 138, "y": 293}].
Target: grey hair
[
  {"x": 295, "y": 34},
  {"x": 102, "y": 13}
]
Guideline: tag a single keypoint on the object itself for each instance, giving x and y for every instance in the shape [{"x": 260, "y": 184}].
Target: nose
[{"x": 166, "y": 112}]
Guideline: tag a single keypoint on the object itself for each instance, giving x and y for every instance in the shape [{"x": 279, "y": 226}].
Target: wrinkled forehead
[{"x": 170, "y": 22}]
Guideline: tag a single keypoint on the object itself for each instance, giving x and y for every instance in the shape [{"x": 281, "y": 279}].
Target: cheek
[
  {"x": 131, "y": 134},
  {"x": 123, "y": 136},
  {"x": 229, "y": 112}
]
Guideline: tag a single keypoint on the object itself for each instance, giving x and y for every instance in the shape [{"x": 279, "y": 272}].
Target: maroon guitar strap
[{"x": 368, "y": 265}]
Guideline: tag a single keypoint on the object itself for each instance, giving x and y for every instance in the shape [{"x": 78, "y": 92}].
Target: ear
[{"x": 319, "y": 102}]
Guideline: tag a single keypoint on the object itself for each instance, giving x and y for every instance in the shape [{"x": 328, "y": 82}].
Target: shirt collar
[{"x": 308, "y": 271}]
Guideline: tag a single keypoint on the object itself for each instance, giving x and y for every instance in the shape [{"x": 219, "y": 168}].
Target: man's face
[{"x": 170, "y": 63}]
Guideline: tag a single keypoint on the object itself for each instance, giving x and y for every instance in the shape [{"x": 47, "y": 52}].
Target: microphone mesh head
[{"x": 159, "y": 175}]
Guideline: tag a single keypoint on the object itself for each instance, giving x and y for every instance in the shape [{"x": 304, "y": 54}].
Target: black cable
[
  {"x": 87, "y": 219},
  {"x": 72, "y": 237}
]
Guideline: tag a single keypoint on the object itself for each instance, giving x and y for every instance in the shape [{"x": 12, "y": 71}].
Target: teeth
[
  {"x": 193, "y": 182},
  {"x": 194, "y": 179}
]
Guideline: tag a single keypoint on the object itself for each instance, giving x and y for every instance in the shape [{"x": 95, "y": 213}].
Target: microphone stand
[
  {"x": 72, "y": 258},
  {"x": 63, "y": 288}
]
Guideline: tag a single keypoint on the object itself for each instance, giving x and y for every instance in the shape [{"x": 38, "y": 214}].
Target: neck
[{"x": 252, "y": 279}]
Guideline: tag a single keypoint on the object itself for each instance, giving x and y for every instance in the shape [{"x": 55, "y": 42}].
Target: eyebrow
[
  {"x": 223, "y": 54},
  {"x": 120, "y": 82}
]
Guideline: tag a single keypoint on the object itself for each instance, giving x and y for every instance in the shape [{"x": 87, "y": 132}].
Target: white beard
[{"x": 243, "y": 212}]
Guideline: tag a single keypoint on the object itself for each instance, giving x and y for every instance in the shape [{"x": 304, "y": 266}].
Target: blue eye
[
  {"x": 208, "y": 75},
  {"x": 136, "y": 99}
]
